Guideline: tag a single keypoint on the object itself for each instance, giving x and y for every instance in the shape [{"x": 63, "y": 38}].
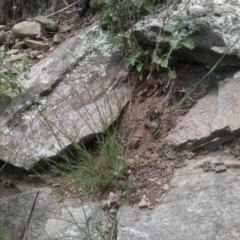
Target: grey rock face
[
  {"x": 200, "y": 205},
  {"x": 214, "y": 116},
  {"x": 73, "y": 94},
  {"x": 50, "y": 218},
  {"x": 213, "y": 35}
]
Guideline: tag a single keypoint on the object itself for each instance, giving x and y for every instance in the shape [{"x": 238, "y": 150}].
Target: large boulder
[
  {"x": 48, "y": 217},
  {"x": 213, "y": 26},
  {"x": 199, "y": 205},
  {"x": 213, "y": 120},
  {"x": 72, "y": 95}
]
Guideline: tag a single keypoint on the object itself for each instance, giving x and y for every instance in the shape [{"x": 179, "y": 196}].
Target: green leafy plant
[
  {"x": 178, "y": 39},
  {"x": 148, "y": 60},
  {"x": 121, "y": 15},
  {"x": 9, "y": 80}
]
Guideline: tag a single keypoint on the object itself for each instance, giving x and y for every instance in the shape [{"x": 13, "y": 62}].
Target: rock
[
  {"x": 80, "y": 98},
  {"x": 58, "y": 38},
  {"x": 220, "y": 169},
  {"x": 217, "y": 11},
  {"x": 27, "y": 29},
  {"x": 10, "y": 39},
  {"x": 143, "y": 203},
  {"x": 50, "y": 218},
  {"x": 232, "y": 163},
  {"x": 12, "y": 51},
  {"x": 199, "y": 206},
  {"x": 65, "y": 28},
  {"x": 34, "y": 54},
  {"x": 19, "y": 45},
  {"x": 215, "y": 115},
  {"x": 15, "y": 58},
  {"x": 36, "y": 45},
  {"x": 3, "y": 27},
  {"x": 48, "y": 24},
  {"x": 212, "y": 35}
]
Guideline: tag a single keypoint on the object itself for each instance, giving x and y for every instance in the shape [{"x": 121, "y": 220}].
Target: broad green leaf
[
  {"x": 148, "y": 6},
  {"x": 19, "y": 89},
  {"x": 179, "y": 25},
  {"x": 136, "y": 53},
  {"x": 157, "y": 60},
  {"x": 179, "y": 45},
  {"x": 172, "y": 74},
  {"x": 173, "y": 42},
  {"x": 126, "y": 63},
  {"x": 13, "y": 85},
  {"x": 184, "y": 32},
  {"x": 162, "y": 38},
  {"x": 130, "y": 59},
  {"x": 164, "y": 63},
  {"x": 188, "y": 43},
  {"x": 4, "y": 87},
  {"x": 139, "y": 67},
  {"x": 4, "y": 98}
]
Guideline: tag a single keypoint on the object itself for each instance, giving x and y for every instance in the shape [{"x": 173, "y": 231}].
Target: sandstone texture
[
  {"x": 50, "y": 218},
  {"x": 199, "y": 205},
  {"x": 73, "y": 94},
  {"x": 213, "y": 120}
]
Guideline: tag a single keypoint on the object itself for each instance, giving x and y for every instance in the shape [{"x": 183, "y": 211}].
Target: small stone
[
  {"x": 12, "y": 52},
  {"x": 34, "y": 54},
  {"x": 27, "y": 51},
  {"x": 217, "y": 11},
  {"x": 58, "y": 38},
  {"x": 3, "y": 27},
  {"x": 151, "y": 207},
  {"x": 165, "y": 187},
  {"x": 51, "y": 49},
  {"x": 157, "y": 200},
  {"x": 18, "y": 45},
  {"x": 112, "y": 210},
  {"x": 36, "y": 45},
  {"x": 110, "y": 225},
  {"x": 143, "y": 203},
  {"x": 220, "y": 168},
  {"x": 232, "y": 163}
]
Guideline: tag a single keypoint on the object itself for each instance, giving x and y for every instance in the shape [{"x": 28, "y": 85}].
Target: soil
[{"x": 152, "y": 162}]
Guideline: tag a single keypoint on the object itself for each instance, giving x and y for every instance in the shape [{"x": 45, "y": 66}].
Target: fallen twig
[
  {"x": 25, "y": 226},
  {"x": 160, "y": 200},
  {"x": 63, "y": 9}
]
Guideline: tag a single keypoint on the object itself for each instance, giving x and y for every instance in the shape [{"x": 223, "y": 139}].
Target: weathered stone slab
[
  {"x": 213, "y": 34},
  {"x": 199, "y": 205},
  {"x": 214, "y": 116},
  {"x": 50, "y": 218},
  {"x": 73, "y": 94}
]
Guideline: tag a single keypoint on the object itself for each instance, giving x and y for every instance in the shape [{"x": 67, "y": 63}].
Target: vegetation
[{"x": 9, "y": 78}]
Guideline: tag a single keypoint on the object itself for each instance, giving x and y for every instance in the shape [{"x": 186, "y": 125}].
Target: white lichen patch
[
  {"x": 96, "y": 38},
  {"x": 5, "y": 130},
  {"x": 35, "y": 109},
  {"x": 102, "y": 70}
]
